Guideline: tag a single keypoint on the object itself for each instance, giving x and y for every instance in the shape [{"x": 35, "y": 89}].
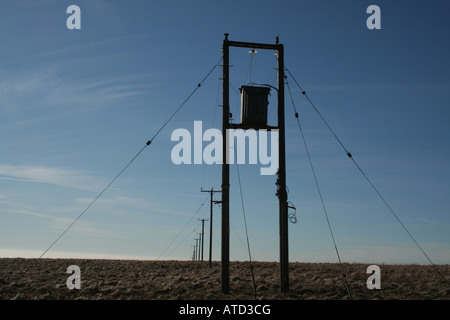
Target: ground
[{"x": 40, "y": 279}]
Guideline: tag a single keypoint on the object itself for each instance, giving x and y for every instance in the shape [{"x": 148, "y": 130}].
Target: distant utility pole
[
  {"x": 211, "y": 192},
  {"x": 196, "y": 249},
  {"x": 203, "y": 235},
  {"x": 199, "y": 245},
  {"x": 193, "y": 253}
]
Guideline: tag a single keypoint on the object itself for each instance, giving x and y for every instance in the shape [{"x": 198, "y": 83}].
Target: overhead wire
[
  {"x": 248, "y": 74},
  {"x": 320, "y": 193},
  {"x": 320, "y": 115},
  {"x": 182, "y": 229},
  {"x": 249, "y": 68},
  {"x": 366, "y": 177},
  {"x": 184, "y": 102},
  {"x": 216, "y": 105},
  {"x": 246, "y": 230},
  {"x": 203, "y": 175},
  {"x": 202, "y": 182},
  {"x": 134, "y": 158},
  {"x": 272, "y": 73},
  {"x": 93, "y": 201}
]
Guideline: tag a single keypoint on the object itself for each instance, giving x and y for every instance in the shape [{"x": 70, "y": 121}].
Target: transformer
[{"x": 254, "y": 105}]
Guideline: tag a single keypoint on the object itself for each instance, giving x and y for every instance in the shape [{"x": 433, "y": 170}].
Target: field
[{"x": 45, "y": 279}]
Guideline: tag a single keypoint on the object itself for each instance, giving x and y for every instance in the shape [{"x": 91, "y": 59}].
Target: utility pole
[
  {"x": 211, "y": 192},
  {"x": 281, "y": 182},
  {"x": 225, "y": 169},
  {"x": 203, "y": 235},
  {"x": 199, "y": 245},
  {"x": 196, "y": 248},
  {"x": 193, "y": 253},
  {"x": 281, "y": 174}
]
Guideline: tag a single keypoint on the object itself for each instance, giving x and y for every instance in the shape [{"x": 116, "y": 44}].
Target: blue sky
[{"x": 77, "y": 105}]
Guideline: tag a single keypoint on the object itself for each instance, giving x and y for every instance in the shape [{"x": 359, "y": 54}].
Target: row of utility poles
[
  {"x": 199, "y": 243},
  {"x": 199, "y": 246}
]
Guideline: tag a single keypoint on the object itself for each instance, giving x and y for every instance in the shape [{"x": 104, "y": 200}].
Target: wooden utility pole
[
  {"x": 199, "y": 245},
  {"x": 225, "y": 169},
  {"x": 193, "y": 253},
  {"x": 211, "y": 193},
  {"x": 281, "y": 192},
  {"x": 196, "y": 248},
  {"x": 202, "y": 236}
]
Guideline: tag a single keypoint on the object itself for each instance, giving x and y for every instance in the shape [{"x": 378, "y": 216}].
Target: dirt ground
[{"x": 46, "y": 279}]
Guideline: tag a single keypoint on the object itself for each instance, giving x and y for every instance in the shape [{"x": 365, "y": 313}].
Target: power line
[
  {"x": 320, "y": 115},
  {"x": 184, "y": 227},
  {"x": 93, "y": 201},
  {"x": 320, "y": 194},
  {"x": 186, "y": 100},
  {"x": 134, "y": 158},
  {"x": 365, "y": 176},
  {"x": 246, "y": 231},
  {"x": 202, "y": 180}
]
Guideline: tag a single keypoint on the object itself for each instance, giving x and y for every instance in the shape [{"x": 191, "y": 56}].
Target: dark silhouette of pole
[
  {"x": 282, "y": 193},
  {"x": 193, "y": 253},
  {"x": 196, "y": 248},
  {"x": 199, "y": 245},
  {"x": 203, "y": 236},
  {"x": 225, "y": 171},
  {"x": 211, "y": 192}
]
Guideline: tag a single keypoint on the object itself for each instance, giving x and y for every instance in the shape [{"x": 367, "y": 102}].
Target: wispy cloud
[
  {"x": 54, "y": 86},
  {"x": 22, "y": 180},
  {"x": 128, "y": 205},
  {"x": 57, "y": 176},
  {"x": 39, "y": 215},
  {"x": 434, "y": 222},
  {"x": 61, "y": 223},
  {"x": 90, "y": 93}
]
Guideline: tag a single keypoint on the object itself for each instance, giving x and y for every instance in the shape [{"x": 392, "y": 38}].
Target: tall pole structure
[
  {"x": 281, "y": 174},
  {"x": 200, "y": 240},
  {"x": 211, "y": 192},
  {"x": 203, "y": 236},
  {"x": 225, "y": 170},
  {"x": 282, "y": 194},
  {"x": 196, "y": 248}
]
